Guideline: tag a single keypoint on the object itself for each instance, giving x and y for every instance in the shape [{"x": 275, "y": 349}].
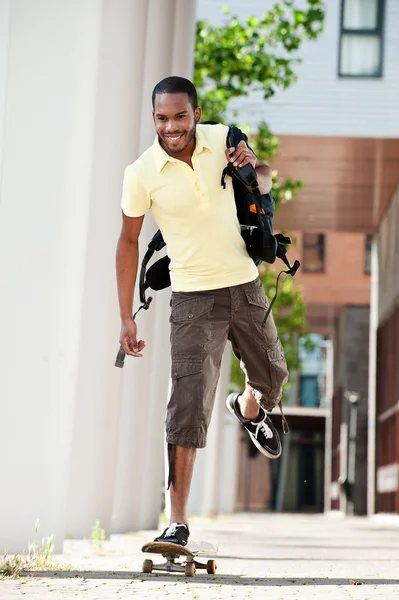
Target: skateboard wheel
[
  {"x": 147, "y": 566},
  {"x": 189, "y": 569},
  {"x": 211, "y": 567}
]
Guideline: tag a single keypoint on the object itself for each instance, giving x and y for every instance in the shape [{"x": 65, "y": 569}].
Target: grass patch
[{"x": 39, "y": 556}]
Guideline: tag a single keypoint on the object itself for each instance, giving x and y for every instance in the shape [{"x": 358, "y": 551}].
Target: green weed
[
  {"x": 97, "y": 537},
  {"x": 39, "y": 556}
]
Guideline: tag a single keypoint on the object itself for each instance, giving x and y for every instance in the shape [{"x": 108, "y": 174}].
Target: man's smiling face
[{"x": 175, "y": 121}]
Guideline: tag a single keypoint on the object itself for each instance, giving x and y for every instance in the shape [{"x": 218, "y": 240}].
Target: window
[
  {"x": 313, "y": 252},
  {"x": 367, "y": 254},
  {"x": 309, "y": 390},
  {"x": 360, "y": 52}
]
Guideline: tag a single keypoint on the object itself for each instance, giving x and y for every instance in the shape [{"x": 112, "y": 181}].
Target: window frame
[
  {"x": 378, "y": 32},
  {"x": 314, "y": 246}
]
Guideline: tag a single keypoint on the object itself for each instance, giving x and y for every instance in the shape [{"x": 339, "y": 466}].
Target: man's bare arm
[
  {"x": 127, "y": 255},
  {"x": 264, "y": 174}
]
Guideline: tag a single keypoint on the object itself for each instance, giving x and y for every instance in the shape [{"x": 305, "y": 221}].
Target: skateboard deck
[{"x": 172, "y": 552}]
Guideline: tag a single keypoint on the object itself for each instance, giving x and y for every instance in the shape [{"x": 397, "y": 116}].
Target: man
[{"x": 216, "y": 292}]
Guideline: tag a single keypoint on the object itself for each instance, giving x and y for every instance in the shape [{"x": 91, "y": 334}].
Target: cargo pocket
[
  {"x": 278, "y": 370},
  {"x": 258, "y": 303},
  {"x": 183, "y": 367},
  {"x": 191, "y": 309},
  {"x": 186, "y": 402},
  {"x": 191, "y": 325}
]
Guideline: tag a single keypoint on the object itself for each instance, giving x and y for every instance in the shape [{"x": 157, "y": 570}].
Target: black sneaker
[
  {"x": 176, "y": 533},
  {"x": 262, "y": 431}
]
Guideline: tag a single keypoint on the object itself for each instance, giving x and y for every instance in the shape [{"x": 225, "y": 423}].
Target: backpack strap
[
  {"x": 156, "y": 243},
  {"x": 291, "y": 271},
  {"x": 142, "y": 286},
  {"x": 246, "y": 175},
  {"x": 228, "y": 170},
  {"x": 258, "y": 205},
  {"x": 282, "y": 254},
  {"x": 120, "y": 357}
]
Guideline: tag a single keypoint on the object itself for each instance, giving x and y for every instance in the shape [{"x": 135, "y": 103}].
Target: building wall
[
  {"x": 356, "y": 358},
  {"x": 304, "y": 485},
  {"x": 387, "y": 403},
  {"x": 343, "y": 280},
  {"x": 351, "y": 375},
  {"x": 388, "y": 260},
  {"x": 387, "y": 427},
  {"x": 320, "y": 103},
  {"x": 255, "y": 473}
]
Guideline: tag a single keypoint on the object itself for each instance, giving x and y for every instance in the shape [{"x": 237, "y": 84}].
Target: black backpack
[{"x": 255, "y": 213}]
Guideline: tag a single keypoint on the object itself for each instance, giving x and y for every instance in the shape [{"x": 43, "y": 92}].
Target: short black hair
[{"x": 176, "y": 85}]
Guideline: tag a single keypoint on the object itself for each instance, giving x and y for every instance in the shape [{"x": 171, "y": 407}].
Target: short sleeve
[
  {"x": 223, "y": 131},
  {"x": 135, "y": 198}
]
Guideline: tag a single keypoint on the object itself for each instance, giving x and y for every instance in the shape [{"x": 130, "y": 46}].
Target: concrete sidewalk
[{"x": 260, "y": 556}]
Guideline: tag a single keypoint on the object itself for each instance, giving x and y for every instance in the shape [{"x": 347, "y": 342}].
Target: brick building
[
  {"x": 335, "y": 280},
  {"x": 338, "y": 127}
]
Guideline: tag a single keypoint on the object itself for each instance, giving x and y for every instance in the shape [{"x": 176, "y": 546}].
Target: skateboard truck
[{"x": 171, "y": 552}]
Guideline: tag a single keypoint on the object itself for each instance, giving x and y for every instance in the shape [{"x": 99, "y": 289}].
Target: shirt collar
[{"x": 162, "y": 157}]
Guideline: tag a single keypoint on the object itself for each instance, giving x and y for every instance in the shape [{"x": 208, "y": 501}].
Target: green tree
[
  {"x": 240, "y": 57},
  {"x": 235, "y": 60}
]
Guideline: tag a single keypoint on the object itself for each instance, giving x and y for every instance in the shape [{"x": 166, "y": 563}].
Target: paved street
[{"x": 260, "y": 556}]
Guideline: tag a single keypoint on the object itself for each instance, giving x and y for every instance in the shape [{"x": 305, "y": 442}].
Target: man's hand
[
  {"x": 241, "y": 155},
  {"x": 128, "y": 338}
]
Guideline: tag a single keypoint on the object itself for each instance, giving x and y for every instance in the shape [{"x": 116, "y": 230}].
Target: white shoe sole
[{"x": 253, "y": 439}]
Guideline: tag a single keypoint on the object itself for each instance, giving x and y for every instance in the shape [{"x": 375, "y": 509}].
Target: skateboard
[{"x": 172, "y": 552}]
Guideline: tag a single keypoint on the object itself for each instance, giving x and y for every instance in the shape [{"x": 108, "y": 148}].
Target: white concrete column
[
  {"x": 214, "y": 466},
  {"x": 214, "y": 451},
  {"x": 228, "y": 467},
  {"x": 140, "y": 464},
  {"x": 166, "y": 22},
  {"x": 371, "y": 429},
  {"x": 114, "y": 144},
  {"x": 152, "y": 455},
  {"x": 44, "y": 212},
  {"x": 184, "y": 26},
  {"x": 135, "y": 426},
  {"x": 71, "y": 77},
  {"x": 5, "y": 14}
]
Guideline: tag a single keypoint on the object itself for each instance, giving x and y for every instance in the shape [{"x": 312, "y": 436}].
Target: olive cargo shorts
[{"x": 201, "y": 323}]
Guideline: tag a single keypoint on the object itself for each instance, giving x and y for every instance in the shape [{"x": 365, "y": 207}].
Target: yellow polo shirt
[{"x": 196, "y": 216}]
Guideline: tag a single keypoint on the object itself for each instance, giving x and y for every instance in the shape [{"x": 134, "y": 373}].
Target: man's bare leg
[
  {"x": 249, "y": 408},
  {"x": 183, "y": 471}
]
